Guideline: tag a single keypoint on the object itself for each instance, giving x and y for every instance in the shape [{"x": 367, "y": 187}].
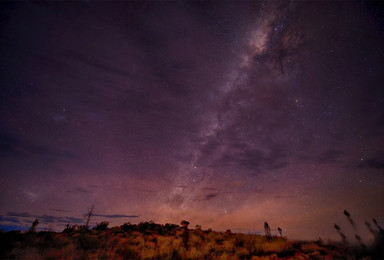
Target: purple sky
[{"x": 224, "y": 114}]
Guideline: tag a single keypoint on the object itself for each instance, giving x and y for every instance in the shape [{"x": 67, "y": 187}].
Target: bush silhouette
[{"x": 102, "y": 226}]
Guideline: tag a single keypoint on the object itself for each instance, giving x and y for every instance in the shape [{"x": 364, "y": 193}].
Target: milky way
[{"x": 225, "y": 114}]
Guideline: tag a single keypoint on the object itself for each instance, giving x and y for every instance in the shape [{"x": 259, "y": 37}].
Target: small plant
[
  {"x": 69, "y": 228},
  {"x": 34, "y": 225},
  {"x": 343, "y": 237},
  {"x": 349, "y": 217},
  {"x": 280, "y": 231},
  {"x": 358, "y": 238},
  {"x": 267, "y": 231}
]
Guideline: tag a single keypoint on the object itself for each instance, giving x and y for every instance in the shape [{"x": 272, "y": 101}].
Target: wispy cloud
[
  {"x": 115, "y": 216},
  {"x": 374, "y": 163},
  {"x": 79, "y": 189},
  {"x": 59, "y": 210},
  {"x": 46, "y": 219},
  {"x": 210, "y": 196}
]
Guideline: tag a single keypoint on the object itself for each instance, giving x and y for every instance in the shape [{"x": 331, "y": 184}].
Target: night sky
[{"x": 224, "y": 114}]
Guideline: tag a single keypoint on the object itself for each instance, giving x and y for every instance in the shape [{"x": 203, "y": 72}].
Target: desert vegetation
[{"x": 148, "y": 240}]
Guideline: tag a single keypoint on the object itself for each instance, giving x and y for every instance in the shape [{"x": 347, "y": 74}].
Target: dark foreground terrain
[{"x": 148, "y": 240}]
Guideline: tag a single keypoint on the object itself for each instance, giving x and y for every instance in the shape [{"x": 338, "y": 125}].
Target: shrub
[
  {"x": 128, "y": 227},
  {"x": 69, "y": 229},
  {"x": 101, "y": 226},
  {"x": 83, "y": 228}
]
